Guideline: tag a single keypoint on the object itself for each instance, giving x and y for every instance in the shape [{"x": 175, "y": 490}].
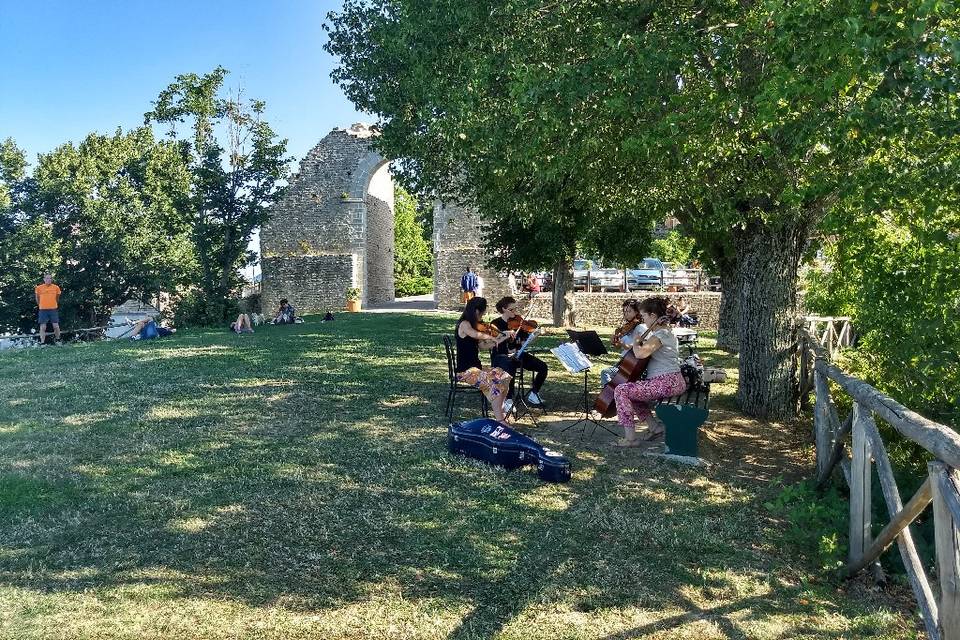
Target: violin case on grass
[{"x": 496, "y": 443}]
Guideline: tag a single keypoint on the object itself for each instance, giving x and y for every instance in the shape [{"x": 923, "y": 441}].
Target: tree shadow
[{"x": 307, "y": 469}]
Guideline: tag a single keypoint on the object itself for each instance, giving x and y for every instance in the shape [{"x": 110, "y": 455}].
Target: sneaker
[
  {"x": 534, "y": 398},
  {"x": 507, "y": 406}
]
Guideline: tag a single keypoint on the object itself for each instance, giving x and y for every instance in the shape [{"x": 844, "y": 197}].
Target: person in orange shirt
[{"x": 47, "y": 295}]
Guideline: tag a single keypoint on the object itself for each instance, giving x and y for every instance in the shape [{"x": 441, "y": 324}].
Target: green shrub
[
  {"x": 194, "y": 310},
  {"x": 252, "y": 303},
  {"x": 815, "y": 524},
  {"x": 413, "y": 286}
]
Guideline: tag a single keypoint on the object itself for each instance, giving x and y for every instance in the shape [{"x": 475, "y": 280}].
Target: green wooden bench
[{"x": 682, "y": 416}]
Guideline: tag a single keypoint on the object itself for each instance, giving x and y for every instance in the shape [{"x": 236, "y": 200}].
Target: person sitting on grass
[
  {"x": 663, "y": 380},
  {"x": 242, "y": 324},
  {"x": 286, "y": 314}
]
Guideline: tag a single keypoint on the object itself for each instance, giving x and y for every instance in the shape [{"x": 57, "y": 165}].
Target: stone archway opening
[
  {"x": 379, "y": 242},
  {"x": 334, "y": 231}
]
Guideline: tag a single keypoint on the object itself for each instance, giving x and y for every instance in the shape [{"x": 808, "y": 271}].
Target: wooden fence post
[
  {"x": 804, "y": 365},
  {"x": 861, "y": 479},
  {"x": 946, "y": 535},
  {"x": 821, "y": 421}
]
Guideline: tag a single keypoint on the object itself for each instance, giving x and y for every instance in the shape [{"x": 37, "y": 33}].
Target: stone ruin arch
[{"x": 334, "y": 229}]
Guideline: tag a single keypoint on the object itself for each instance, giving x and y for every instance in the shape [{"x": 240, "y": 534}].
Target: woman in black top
[
  {"x": 492, "y": 381},
  {"x": 507, "y": 307}
]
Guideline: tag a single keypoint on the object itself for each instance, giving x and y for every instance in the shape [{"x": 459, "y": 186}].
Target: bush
[
  {"x": 413, "y": 286},
  {"x": 900, "y": 282},
  {"x": 194, "y": 310},
  {"x": 814, "y": 524},
  {"x": 251, "y": 304}
]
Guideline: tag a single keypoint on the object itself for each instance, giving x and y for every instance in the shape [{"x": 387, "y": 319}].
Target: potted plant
[{"x": 353, "y": 299}]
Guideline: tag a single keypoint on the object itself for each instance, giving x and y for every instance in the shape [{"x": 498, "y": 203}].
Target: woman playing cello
[
  {"x": 624, "y": 336},
  {"x": 663, "y": 375}
]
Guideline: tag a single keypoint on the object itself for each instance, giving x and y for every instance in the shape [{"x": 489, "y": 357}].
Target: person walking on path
[
  {"x": 48, "y": 295},
  {"x": 468, "y": 285}
]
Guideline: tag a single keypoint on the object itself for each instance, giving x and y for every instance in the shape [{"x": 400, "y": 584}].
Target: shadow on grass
[{"x": 305, "y": 467}]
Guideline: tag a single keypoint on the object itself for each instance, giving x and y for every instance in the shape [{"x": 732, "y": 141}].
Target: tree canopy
[
  {"x": 587, "y": 120},
  {"x": 103, "y": 216},
  {"x": 237, "y": 163}
]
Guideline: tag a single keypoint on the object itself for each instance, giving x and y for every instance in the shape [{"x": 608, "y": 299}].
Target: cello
[{"x": 629, "y": 369}]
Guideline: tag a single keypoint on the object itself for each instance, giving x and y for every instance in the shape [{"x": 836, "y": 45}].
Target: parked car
[
  {"x": 607, "y": 279},
  {"x": 648, "y": 275}
]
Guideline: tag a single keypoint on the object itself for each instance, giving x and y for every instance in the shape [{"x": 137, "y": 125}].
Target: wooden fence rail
[
  {"x": 941, "y": 612},
  {"x": 78, "y": 332},
  {"x": 824, "y": 329}
]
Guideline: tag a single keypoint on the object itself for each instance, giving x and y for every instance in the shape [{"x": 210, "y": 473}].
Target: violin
[
  {"x": 625, "y": 329},
  {"x": 517, "y": 323},
  {"x": 488, "y": 328}
]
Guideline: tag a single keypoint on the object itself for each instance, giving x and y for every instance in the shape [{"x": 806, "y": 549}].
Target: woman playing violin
[
  {"x": 492, "y": 381},
  {"x": 510, "y": 320},
  {"x": 663, "y": 375},
  {"x": 624, "y": 337}
]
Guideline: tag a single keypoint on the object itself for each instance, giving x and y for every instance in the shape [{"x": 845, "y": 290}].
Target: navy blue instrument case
[{"x": 498, "y": 444}]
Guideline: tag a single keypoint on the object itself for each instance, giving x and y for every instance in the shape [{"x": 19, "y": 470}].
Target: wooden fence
[
  {"x": 825, "y": 331},
  {"x": 79, "y": 334},
  {"x": 941, "y": 613}
]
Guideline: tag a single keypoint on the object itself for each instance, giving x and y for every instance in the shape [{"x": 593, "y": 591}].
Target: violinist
[
  {"x": 493, "y": 382},
  {"x": 624, "y": 336},
  {"x": 663, "y": 375},
  {"x": 509, "y": 318}
]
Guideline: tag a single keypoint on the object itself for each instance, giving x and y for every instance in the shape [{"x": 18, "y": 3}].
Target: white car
[
  {"x": 607, "y": 279},
  {"x": 580, "y": 269},
  {"x": 602, "y": 279}
]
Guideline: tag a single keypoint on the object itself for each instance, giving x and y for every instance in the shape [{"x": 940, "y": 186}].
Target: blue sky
[{"x": 69, "y": 68}]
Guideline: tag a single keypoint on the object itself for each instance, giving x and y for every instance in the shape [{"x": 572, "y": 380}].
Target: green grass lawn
[{"x": 295, "y": 484}]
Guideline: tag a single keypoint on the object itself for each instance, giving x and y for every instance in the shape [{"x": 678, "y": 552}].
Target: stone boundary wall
[
  {"x": 313, "y": 284},
  {"x": 605, "y": 309}
]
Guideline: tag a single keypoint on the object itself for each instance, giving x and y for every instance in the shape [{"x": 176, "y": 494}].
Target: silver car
[
  {"x": 648, "y": 275},
  {"x": 607, "y": 279}
]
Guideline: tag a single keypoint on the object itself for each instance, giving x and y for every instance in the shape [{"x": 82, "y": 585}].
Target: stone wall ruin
[{"x": 333, "y": 229}]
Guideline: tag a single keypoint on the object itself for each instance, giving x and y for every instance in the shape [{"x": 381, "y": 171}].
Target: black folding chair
[{"x": 456, "y": 386}]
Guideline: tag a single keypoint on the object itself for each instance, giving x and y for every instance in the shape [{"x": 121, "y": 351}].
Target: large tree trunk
[
  {"x": 564, "y": 306},
  {"x": 728, "y": 324},
  {"x": 767, "y": 262}
]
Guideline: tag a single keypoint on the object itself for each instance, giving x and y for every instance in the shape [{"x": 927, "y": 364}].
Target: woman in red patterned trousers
[{"x": 663, "y": 377}]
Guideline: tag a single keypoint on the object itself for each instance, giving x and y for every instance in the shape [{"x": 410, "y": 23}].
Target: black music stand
[
  {"x": 521, "y": 407},
  {"x": 588, "y": 342},
  {"x": 594, "y": 347}
]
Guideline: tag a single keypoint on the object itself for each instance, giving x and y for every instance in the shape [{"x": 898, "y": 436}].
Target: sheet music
[
  {"x": 526, "y": 343},
  {"x": 571, "y": 357}
]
